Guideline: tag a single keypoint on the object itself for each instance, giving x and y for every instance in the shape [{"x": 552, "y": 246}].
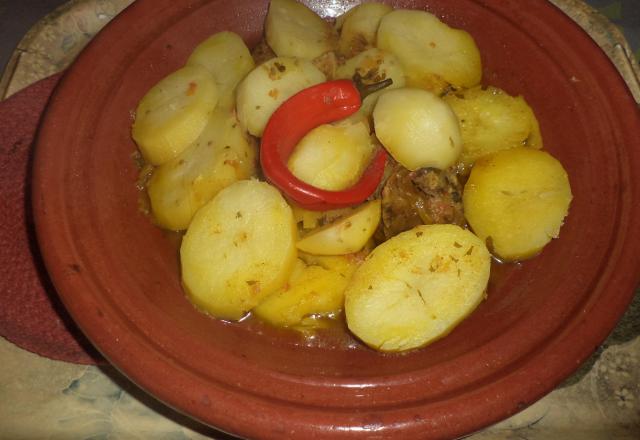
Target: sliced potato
[
  {"x": 418, "y": 129},
  {"x": 535, "y": 137},
  {"x": 491, "y": 120},
  {"x": 293, "y": 30},
  {"x": 239, "y": 248},
  {"x": 358, "y": 27},
  {"x": 373, "y": 65},
  {"x": 346, "y": 235},
  {"x": 343, "y": 264},
  {"x": 416, "y": 287},
  {"x": 517, "y": 200},
  {"x": 312, "y": 290},
  {"x": 433, "y": 54},
  {"x": 173, "y": 113},
  {"x": 228, "y": 59},
  {"x": 312, "y": 219},
  {"x": 269, "y": 85},
  {"x": 221, "y": 155},
  {"x": 333, "y": 156}
]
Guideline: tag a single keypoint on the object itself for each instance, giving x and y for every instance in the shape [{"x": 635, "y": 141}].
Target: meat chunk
[{"x": 422, "y": 197}]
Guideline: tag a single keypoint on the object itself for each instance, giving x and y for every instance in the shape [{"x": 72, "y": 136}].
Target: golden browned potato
[
  {"x": 293, "y": 30},
  {"x": 269, "y": 85},
  {"x": 433, "y": 54},
  {"x": 416, "y": 287},
  {"x": 221, "y": 155},
  {"x": 358, "y": 27},
  {"x": 239, "y": 248},
  {"x": 516, "y": 200},
  {"x": 312, "y": 291},
  {"x": 491, "y": 120},
  {"x": 418, "y": 128},
  {"x": 173, "y": 113},
  {"x": 228, "y": 59}
]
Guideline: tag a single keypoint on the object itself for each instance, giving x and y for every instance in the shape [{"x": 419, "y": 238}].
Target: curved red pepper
[{"x": 320, "y": 104}]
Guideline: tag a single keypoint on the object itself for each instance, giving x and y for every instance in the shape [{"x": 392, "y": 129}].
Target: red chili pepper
[{"x": 320, "y": 104}]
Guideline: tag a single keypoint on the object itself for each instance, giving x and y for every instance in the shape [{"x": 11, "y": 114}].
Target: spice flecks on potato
[
  {"x": 269, "y": 85},
  {"x": 220, "y": 156},
  {"x": 418, "y": 128},
  {"x": 239, "y": 248},
  {"x": 433, "y": 54},
  {"x": 173, "y": 113},
  {"x": 491, "y": 120},
  {"x": 227, "y": 57},
  {"x": 416, "y": 287},
  {"x": 517, "y": 200}
]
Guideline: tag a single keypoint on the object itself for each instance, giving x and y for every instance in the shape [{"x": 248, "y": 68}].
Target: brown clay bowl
[{"x": 118, "y": 274}]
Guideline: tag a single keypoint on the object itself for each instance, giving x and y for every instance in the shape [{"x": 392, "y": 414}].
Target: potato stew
[{"x": 350, "y": 169}]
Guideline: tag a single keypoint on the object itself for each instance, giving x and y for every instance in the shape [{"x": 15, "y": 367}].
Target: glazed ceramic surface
[{"x": 119, "y": 275}]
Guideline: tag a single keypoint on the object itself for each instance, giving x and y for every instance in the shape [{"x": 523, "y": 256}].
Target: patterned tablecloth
[{"x": 42, "y": 398}]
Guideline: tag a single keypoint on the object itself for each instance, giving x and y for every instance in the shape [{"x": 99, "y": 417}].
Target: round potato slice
[
  {"x": 227, "y": 57},
  {"x": 333, "y": 156},
  {"x": 294, "y": 30},
  {"x": 269, "y": 85},
  {"x": 417, "y": 286},
  {"x": 491, "y": 120},
  {"x": 173, "y": 113},
  {"x": 359, "y": 26},
  {"x": 418, "y": 128},
  {"x": 432, "y": 53},
  {"x": 239, "y": 248},
  {"x": 222, "y": 155},
  {"x": 517, "y": 200}
]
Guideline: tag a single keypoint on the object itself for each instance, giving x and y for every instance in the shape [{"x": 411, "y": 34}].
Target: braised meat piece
[{"x": 422, "y": 197}]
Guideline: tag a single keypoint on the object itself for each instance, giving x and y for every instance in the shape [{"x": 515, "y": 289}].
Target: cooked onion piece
[
  {"x": 173, "y": 113},
  {"x": 417, "y": 286},
  {"x": 239, "y": 248},
  {"x": 293, "y": 30},
  {"x": 222, "y": 155},
  {"x": 491, "y": 120},
  {"x": 433, "y": 54},
  {"x": 228, "y": 59},
  {"x": 269, "y": 85},
  {"x": 418, "y": 128},
  {"x": 517, "y": 200}
]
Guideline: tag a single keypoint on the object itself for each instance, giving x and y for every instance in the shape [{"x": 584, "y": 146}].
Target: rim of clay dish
[{"x": 236, "y": 403}]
